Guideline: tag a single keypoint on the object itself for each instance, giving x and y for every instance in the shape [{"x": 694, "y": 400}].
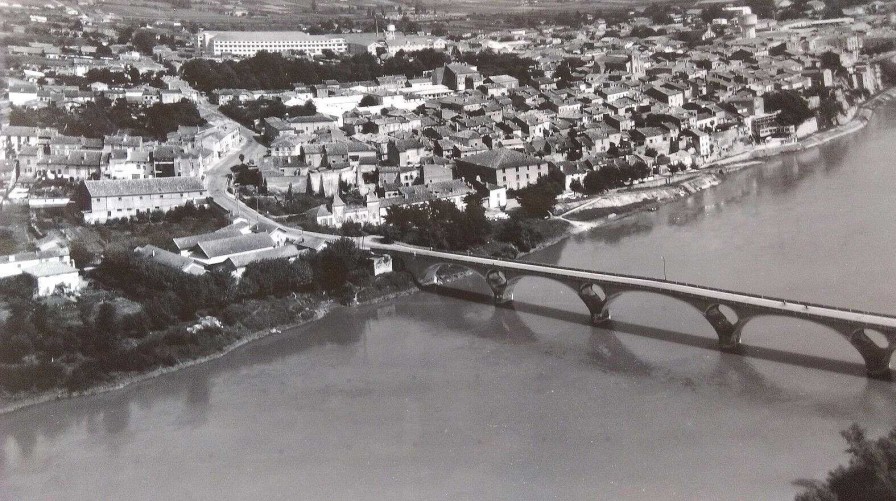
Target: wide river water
[{"x": 434, "y": 396}]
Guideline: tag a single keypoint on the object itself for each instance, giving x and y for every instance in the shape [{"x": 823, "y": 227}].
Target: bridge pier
[
  {"x": 727, "y": 331},
  {"x": 877, "y": 358},
  {"x": 500, "y": 286},
  {"x": 595, "y": 298}
]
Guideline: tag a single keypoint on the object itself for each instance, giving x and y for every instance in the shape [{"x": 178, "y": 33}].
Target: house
[
  {"x": 169, "y": 259},
  {"x": 186, "y": 245},
  {"x": 434, "y": 173},
  {"x": 313, "y": 123},
  {"x": 652, "y": 138},
  {"x": 504, "y": 81},
  {"x": 503, "y": 167},
  {"x": 55, "y": 277},
  {"x": 405, "y": 151},
  {"x": 339, "y": 213},
  {"x": 16, "y": 264},
  {"x": 458, "y": 76},
  {"x": 217, "y": 251},
  {"x": 112, "y": 199},
  {"x": 665, "y": 95},
  {"x": 700, "y": 141},
  {"x": 236, "y": 265},
  {"x": 380, "y": 264}
]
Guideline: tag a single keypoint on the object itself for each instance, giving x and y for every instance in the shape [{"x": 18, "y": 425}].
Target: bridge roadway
[{"x": 872, "y": 334}]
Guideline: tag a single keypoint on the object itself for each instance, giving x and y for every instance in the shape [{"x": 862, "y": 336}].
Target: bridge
[{"x": 872, "y": 334}]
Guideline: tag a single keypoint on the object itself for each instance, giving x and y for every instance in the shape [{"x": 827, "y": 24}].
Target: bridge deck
[{"x": 731, "y": 298}]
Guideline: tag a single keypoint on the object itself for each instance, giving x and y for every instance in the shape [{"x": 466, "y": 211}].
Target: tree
[
  {"x": 870, "y": 474},
  {"x": 144, "y": 41},
  {"x": 538, "y": 199},
  {"x": 520, "y": 233},
  {"x": 794, "y": 109},
  {"x": 336, "y": 262},
  {"x": 367, "y": 100}
]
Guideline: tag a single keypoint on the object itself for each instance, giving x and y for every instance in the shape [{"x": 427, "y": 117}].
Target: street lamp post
[{"x": 664, "y": 268}]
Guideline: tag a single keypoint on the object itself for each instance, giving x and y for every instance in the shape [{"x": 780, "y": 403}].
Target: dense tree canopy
[
  {"x": 491, "y": 63},
  {"x": 870, "y": 474},
  {"x": 614, "y": 175},
  {"x": 438, "y": 224},
  {"x": 247, "y": 113},
  {"x": 267, "y": 70},
  {"x": 538, "y": 199},
  {"x": 103, "y": 117},
  {"x": 794, "y": 109}
]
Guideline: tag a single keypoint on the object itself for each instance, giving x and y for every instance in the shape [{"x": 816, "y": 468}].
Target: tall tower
[{"x": 748, "y": 24}]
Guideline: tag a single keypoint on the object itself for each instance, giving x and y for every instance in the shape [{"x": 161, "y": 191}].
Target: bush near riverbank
[
  {"x": 870, "y": 474},
  {"x": 140, "y": 316}
]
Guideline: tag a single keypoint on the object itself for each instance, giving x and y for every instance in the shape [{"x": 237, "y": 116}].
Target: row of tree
[
  {"x": 103, "y": 117},
  {"x": 247, "y": 113},
  {"x": 439, "y": 224},
  {"x": 271, "y": 71},
  {"x": 613, "y": 175}
]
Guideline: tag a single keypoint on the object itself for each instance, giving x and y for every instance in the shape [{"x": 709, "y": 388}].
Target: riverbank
[
  {"x": 604, "y": 209},
  {"x": 365, "y": 296}
]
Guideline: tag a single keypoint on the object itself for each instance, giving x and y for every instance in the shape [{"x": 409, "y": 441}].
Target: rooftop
[
  {"x": 131, "y": 187},
  {"x": 501, "y": 158}
]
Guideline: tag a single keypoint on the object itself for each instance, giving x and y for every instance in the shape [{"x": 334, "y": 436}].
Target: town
[{"x": 169, "y": 188}]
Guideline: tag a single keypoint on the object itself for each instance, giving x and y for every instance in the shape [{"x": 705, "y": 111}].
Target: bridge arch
[{"x": 594, "y": 295}]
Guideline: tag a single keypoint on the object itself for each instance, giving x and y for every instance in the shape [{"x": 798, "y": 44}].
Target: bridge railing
[{"x": 412, "y": 250}]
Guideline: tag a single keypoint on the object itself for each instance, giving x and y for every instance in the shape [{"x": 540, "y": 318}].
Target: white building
[
  {"x": 54, "y": 276},
  {"x": 248, "y": 43},
  {"x": 113, "y": 199},
  {"x": 16, "y": 264}
]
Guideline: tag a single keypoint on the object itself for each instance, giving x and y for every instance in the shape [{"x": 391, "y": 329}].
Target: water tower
[{"x": 748, "y": 24}]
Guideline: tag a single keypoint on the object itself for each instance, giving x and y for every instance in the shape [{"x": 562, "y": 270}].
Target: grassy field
[{"x": 290, "y": 14}]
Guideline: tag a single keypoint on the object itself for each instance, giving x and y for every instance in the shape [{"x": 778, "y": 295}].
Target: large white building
[
  {"x": 114, "y": 199},
  {"x": 248, "y": 43}
]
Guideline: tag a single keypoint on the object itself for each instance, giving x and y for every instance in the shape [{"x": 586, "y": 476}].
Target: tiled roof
[
  {"x": 169, "y": 259},
  {"x": 501, "y": 158},
  {"x": 189, "y": 242},
  {"x": 236, "y": 245},
  {"x": 130, "y": 187},
  {"x": 285, "y": 252},
  {"x": 49, "y": 269}
]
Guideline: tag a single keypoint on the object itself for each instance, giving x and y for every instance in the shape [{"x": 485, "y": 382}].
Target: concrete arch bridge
[{"x": 872, "y": 334}]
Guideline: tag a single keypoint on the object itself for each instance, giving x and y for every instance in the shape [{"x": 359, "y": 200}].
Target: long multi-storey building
[
  {"x": 248, "y": 43},
  {"x": 114, "y": 199}
]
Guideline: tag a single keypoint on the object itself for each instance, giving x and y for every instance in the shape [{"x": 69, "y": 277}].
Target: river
[{"x": 434, "y": 396}]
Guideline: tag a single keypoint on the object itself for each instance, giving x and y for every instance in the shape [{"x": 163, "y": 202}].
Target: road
[{"x": 216, "y": 180}]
